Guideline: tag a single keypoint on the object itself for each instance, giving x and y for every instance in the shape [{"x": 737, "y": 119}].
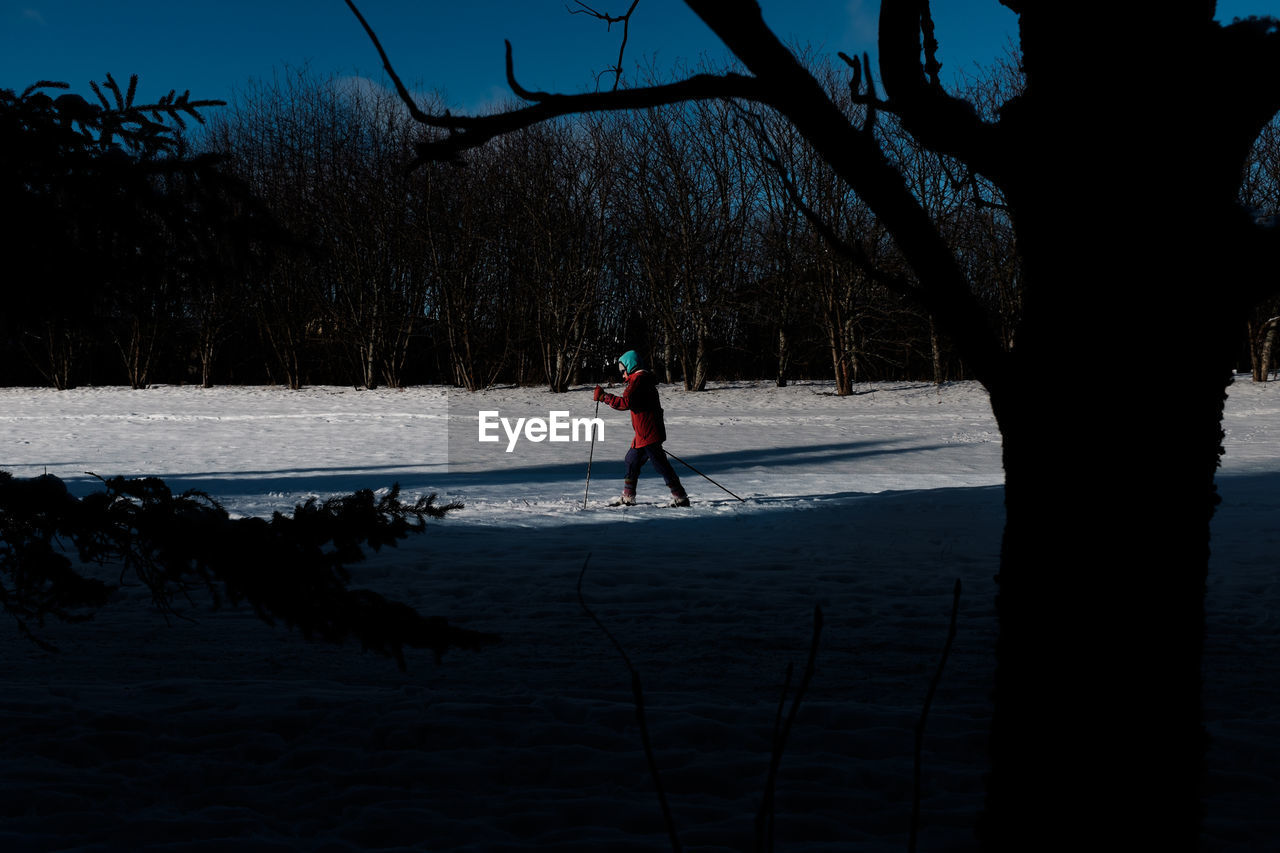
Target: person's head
[{"x": 629, "y": 362}]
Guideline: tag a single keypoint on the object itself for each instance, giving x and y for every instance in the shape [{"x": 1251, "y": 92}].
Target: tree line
[{"x": 288, "y": 241}]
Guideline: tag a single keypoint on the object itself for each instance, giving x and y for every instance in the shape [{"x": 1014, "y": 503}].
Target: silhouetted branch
[
  {"x": 924, "y": 716},
  {"x": 471, "y": 132},
  {"x": 764, "y": 817},
  {"x": 402, "y": 90},
  {"x": 764, "y": 834},
  {"x": 978, "y": 201},
  {"x": 141, "y": 126},
  {"x": 859, "y": 160},
  {"x": 292, "y": 568},
  {"x": 945, "y": 124},
  {"x": 637, "y": 694},
  {"x": 610, "y": 20},
  {"x": 862, "y": 88},
  {"x": 786, "y": 86},
  {"x": 466, "y": 132},
  {"x": 854, "y": 251},
  {"x": 932, "y": 67},
  {"x": 43, "y": 84}
]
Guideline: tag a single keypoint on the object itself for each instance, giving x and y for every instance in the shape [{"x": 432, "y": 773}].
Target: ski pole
[
  {"x": 700, "y": 474},
  {"x": 589, "y": 457}
]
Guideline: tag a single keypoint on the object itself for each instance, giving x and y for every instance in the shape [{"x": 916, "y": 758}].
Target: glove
[{"x": 598, "y": 395}]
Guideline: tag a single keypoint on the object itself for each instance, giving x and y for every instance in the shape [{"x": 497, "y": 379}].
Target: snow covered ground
[{"x": 219, "y": 731}]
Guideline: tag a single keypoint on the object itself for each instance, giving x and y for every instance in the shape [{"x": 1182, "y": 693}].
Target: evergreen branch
[
  {"x": 102, "y": 99},
  {"x": 293, "y": 568},
  {"x": 42, "y": 84}
]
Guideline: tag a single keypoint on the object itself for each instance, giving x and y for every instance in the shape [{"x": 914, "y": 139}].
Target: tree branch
[
  {"x": 857, "y": 157},
  {"x": 946, "y": 124},
  {"x": 854, "y": 251},
  {"x": 466, "y": 132},
  {"x": 781, "y": 732},
  {"x": 917, "y": 773},
  {"x": 862, "y": 88},
  {"x": 610, "y": 20},
  {"x": 401, "y": 89},
  {"x": 780, "y": 82},
  {"x": 637, "y": 695}
]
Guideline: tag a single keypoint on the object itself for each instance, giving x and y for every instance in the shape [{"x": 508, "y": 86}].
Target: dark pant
[{"x": 637, "y": 456}]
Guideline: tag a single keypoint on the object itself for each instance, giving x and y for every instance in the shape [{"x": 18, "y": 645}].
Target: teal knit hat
[{"x": 630, "y": 361}]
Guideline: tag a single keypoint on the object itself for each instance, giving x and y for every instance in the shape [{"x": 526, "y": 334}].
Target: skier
[{"x": 641, "y": 398}]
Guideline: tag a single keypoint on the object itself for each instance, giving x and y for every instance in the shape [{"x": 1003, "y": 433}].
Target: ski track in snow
[{"x": 220, "y": 731}]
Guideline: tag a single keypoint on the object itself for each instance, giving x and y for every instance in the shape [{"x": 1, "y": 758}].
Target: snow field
[{"x": 219, "y": 730}]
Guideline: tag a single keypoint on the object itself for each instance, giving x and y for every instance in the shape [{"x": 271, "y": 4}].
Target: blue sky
[{"x": 213, "y": 47}]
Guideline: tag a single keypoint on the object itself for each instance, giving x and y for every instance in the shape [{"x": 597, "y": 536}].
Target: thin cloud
[
  {"x": 33, "y": 16},
  {"x": 862, "y": 22}
]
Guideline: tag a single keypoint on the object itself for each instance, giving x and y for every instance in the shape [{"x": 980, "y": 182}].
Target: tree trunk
[
  {"x": 1100, "y": 602},
  {"x": 853, "y": 349},
  {"x": 1261, "y": 345},
  {"x": 136, "y": 349},
  {"x": 1268, "y": 347},
  {"x": 784, "y": 358},
  {"x": 208, "y": 349},
  {"x": 839, "y": 356},
  {"x": 935, "y": 347},
  {"x": 60, "y": 355},
  {"x": 1097, "y": 728},
  {"x": 368, "y": 350},
  {"x": 556, "y": 368},
  {"x": 701, "y": 358},
  {"x": 367, "y": 362}
]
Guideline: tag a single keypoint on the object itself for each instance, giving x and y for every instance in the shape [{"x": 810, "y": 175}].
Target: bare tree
[
  {"x": 560, "y": 226},
  {"x": 685, "y": 224},
  {"x": 778, "y": 227},
  {"x": 373, "y": 242},
  {"x": 842, "y": 258},
  {"x": 1260, "y": 193},
  {"x": 327, "y": 157},
  {"x": 106, "y": 206},
  {"x": 275, "y": 137},
  {"x": 838, "y": 283},
  {"x": 472, "y": 292}
]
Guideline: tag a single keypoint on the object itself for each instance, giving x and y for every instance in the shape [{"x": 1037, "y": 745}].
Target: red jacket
[{"x": 641, "y": 397}]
